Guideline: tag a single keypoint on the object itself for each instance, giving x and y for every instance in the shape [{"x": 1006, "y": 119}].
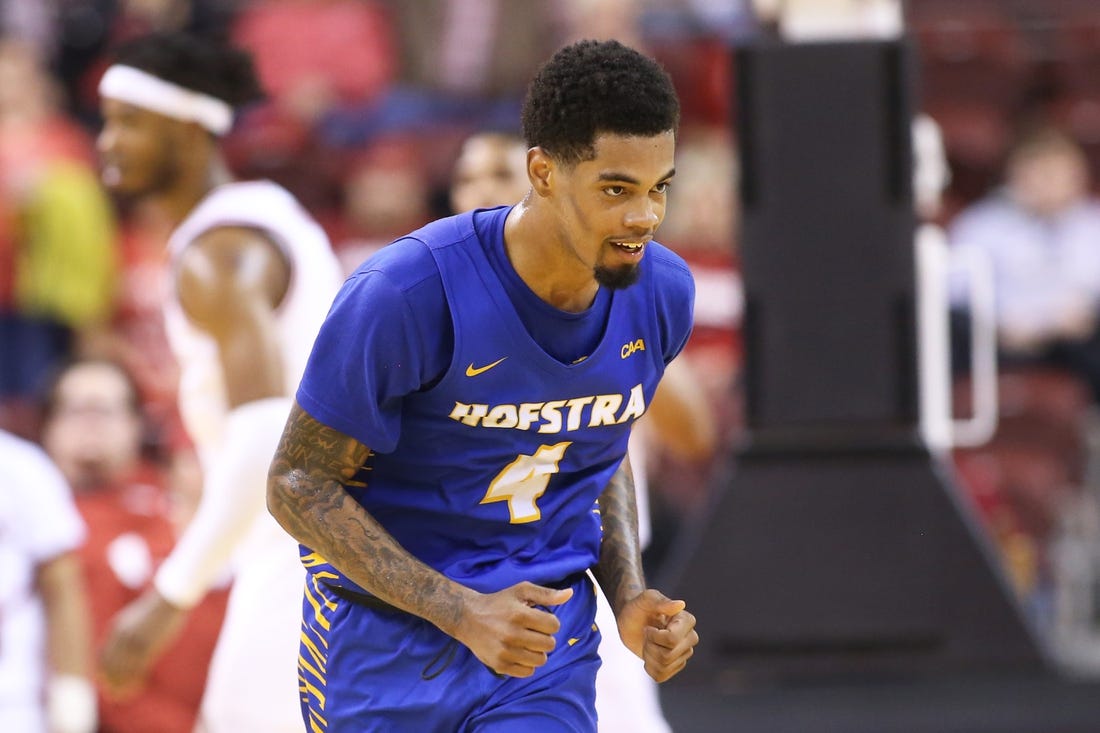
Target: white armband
[
  {"x": 234, "y": 494},
  {"x": 71, "y": 704}
]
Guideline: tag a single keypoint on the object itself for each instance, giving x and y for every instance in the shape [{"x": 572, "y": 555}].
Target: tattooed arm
[
  {"x": 619, "y": 571},
  {"x": 306, "y": 495},
  {"x": 651, "y": 625}
]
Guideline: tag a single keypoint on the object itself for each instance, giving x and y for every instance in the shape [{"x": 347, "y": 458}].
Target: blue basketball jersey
[{"x": 497, "y": 466}]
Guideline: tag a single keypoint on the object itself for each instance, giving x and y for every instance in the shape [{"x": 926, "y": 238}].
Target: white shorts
[
  {"x": 626, "y": 696},
  {"x": 253, "y": 680}
]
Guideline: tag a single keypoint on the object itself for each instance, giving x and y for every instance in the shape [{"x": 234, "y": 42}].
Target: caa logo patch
[{"x": 631, "y": 346}]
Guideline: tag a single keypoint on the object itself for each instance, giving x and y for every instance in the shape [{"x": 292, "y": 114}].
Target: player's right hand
[
  {"x": 138, "y": 635},
  {"x": 508, "y": 631}
]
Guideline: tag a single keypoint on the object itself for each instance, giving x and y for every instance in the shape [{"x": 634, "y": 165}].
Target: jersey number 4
[{"x": 524, "y": 480}]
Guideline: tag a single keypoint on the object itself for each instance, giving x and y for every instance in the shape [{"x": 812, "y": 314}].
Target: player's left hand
[
  {"x": 660, "y": 631},
  {"x": 138, "y": 635}
]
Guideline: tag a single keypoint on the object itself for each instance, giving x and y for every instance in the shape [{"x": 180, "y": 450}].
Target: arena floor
[{"x": 982, "y": 705}]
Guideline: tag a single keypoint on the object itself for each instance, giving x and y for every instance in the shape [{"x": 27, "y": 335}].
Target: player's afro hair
[
  {"x": 594, "y": 87},
  {"x": 198, "y": 63}
]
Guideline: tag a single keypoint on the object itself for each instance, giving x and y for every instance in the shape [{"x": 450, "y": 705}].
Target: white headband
[{"x": 142, "y": 89}]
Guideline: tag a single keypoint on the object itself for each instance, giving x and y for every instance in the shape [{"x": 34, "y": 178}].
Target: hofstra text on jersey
[{"x": 555, "y": 416}]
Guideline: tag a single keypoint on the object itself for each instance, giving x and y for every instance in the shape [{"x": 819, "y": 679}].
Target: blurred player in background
[
  {"x": 45, "y": 632},
  {"x": 253, "y": 277},
  {"x": 454, "y": 469}
]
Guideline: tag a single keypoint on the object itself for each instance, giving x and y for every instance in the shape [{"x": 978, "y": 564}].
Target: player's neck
[
  {"x": 545, "y": 261},
  {"x": 193, "y": 186}
]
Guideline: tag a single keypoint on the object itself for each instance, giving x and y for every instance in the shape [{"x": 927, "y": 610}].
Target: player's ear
[
  {"x": 540, "y": 168},
  {"x": 191, "y": 136}
]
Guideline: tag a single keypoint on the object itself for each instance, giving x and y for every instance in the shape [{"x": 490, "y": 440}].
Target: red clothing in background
[
  {"x": 129, "y": 534},
  {"x": 349, "y": 47}
]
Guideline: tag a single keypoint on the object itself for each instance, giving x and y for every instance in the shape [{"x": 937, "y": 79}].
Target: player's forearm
[
  {"x": 619, "y": 571},
  {"x": 232, "y": 499},
  {"x": 307, "y": 497},
  {"x": 69, "y": 635},
  {"x": 70, "y": 692}
]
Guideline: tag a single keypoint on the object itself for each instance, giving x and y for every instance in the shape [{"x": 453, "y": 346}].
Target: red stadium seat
[
  {"x": 972, "y": 50},
  {"x": 1036, "y": 459}
]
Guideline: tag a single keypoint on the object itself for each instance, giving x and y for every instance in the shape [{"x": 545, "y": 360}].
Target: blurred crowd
[{"x": 369, "y": 105}]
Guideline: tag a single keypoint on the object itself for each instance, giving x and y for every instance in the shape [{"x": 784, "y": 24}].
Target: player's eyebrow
[{"x": 620, "y": 177}]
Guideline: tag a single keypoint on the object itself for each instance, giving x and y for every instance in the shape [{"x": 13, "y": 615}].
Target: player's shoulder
[
  {"x": 24, "y": 458},
  {"x": 245, "y": 209},
  {"x": 256, "y": 191},
  {"x": 446, "y": 232},
  {"x": 1090, "y": 209},
  {"x": 993, "y": 210},
  {"x": 672, "y": 294},
  {"x": 670, "y": 273},
  {"x": 13, "y": 445},
  {"x": 666, "y": 263},
  {"x": 408, "y": 261},
  {"x": 405, "y": 262}
]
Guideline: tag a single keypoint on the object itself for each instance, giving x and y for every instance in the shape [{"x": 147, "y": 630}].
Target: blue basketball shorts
[{"x": 363, "y": 669}]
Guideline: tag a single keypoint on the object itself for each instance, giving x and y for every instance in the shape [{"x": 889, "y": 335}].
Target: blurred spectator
[
  {"x": 491, "y": 169},
  {"x": 139, "y": 17},
  {"x": 319, "y": 61},
  {"x": 72, "y": 36},
  {"x": 316, "y": 55},
  {"x": 464, "y": 65},
  {"x": 45, "y": 640},
  {"x": 386, "y": 194},
  {"x": 31, "y": 21},
  {"x": 93, "y": 429},
  {"x": 603, "y": 19},
  {"x": 479, "y": 50},
  {"x": 57, "y": 238},
  {"x": 1040, "y": 234},
  {"x": 733, "y": 20}
]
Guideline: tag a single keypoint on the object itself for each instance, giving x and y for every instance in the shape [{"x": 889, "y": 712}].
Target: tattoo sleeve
[
  {"x": 619, "y": 571},
  {"x": 306, "y": 495}
]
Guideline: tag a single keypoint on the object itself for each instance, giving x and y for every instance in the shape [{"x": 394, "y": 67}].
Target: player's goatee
[{"x": 617, "y": 278}]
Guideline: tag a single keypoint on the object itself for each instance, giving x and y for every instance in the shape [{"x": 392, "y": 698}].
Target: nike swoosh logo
[{"x": 471, "y": 371}]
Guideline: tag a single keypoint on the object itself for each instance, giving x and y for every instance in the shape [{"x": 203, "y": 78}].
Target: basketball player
[
  {"x": 45, "y": 634},
  {"x": 252, "y": 277},
  {"x": 491, "y": 169},
  {"x": 454, "y": 469}
]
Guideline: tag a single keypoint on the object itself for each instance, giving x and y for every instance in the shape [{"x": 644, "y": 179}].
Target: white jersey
[
  {"x": 315, "y": 278},
  {"x": 252, "y": 684},
  {"x": 38, "y": 522}
]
